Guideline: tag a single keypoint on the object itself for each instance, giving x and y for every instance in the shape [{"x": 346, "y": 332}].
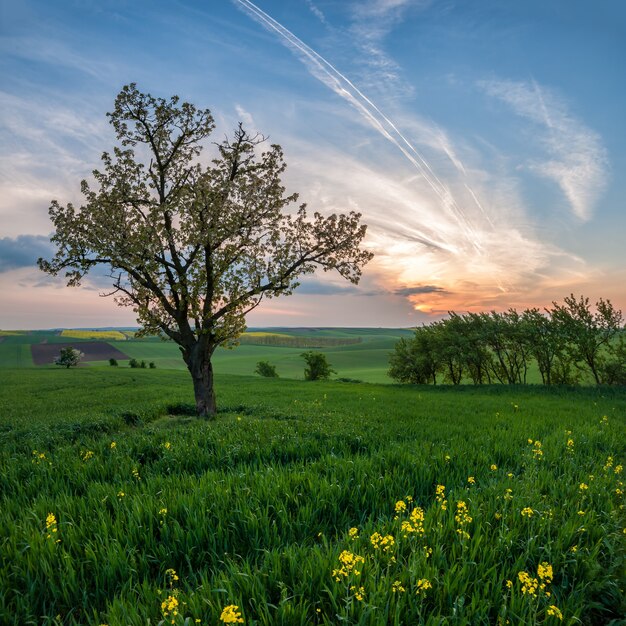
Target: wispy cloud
[
  {"x": 576, "y": 159},
  {"x": 319, "y": 14},
  {"x": 433, "y": 217},
  {"x": 372, "y": 21},
  {"x": 46, "y": 147}
]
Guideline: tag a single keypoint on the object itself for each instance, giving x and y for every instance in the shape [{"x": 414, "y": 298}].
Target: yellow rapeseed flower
[
  {"x": 359, "y": 593},
  {"x": 440, "y": 496},
  {"x": 400, "y": 506},
  {"x": 422, "y": 586},
  {"x": 169, "y": 606},
  {"x": 493, "y": 467},
  {"x": 385, "y": 543},
  {"x": 231, "y": 615},
  {"x": 349, "y": 562},
  {"x": 527, "y": 512},
  {"x": 353, "y": 533},
  {"x": 529, "y": 584},
  {"x": 554, "y": 611},
  {"x": 471, "y": 480},
  {"x": 113, "y": 445},
  {"x": 544, "y": 571},
  {"x": 397, "y": 587}
]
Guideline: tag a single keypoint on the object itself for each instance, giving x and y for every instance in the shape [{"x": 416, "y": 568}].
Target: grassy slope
[{"x": 258, "y": 504}]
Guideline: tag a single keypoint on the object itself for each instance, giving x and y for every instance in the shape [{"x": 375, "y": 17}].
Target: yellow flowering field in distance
[{"x": 105, "y": 335}]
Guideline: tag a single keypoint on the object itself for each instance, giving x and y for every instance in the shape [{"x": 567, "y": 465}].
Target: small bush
[
  {"x": 152, "y": 365},
  {"x": 142, "y": 365},
  {"x": 134, "y": 363},
  {"x": 263, "y": 368},
  {"x": 113, "y": 362}
]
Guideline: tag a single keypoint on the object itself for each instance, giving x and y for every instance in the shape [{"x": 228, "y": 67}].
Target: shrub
[
  {"x": 317, "y": 367},
  {"x": 134, "y": 363},
  {"x": 152, "y": 365},
  {"x": 113, "y": 362},
  {"x": 263, "y": 368},
  {"x": 142, "y": 365}
]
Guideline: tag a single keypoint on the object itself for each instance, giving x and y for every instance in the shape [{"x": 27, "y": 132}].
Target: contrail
[{"x": 342, "y": 86}]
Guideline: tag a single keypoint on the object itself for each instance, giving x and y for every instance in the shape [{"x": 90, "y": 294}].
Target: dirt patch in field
[{"x": 45, "y": 353}]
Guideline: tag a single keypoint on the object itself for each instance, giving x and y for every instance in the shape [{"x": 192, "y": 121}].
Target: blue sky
[{"x": 484, "y": 142}]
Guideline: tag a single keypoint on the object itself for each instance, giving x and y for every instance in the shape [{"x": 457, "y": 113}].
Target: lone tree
[
  {"x": 68, "y": 357},
  {"x": 193, "y": 248},
  {"x": 317, "y": 366}
]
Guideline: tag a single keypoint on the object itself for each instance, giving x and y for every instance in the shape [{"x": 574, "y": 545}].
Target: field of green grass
[
  {"x": 307, "y": 503},
  {"x": 367, "y": 360}
]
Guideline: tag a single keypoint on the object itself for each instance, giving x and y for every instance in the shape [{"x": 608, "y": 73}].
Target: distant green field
[
  {"x": 307, "y": 503},
  {"x": 367, "y": 360}
]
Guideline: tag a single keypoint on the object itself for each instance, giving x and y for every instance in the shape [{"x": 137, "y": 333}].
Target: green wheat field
[{"x": 305, "y": 502}]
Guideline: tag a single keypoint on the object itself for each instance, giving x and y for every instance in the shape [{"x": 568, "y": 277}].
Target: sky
[{"x": 483, "y": 141}]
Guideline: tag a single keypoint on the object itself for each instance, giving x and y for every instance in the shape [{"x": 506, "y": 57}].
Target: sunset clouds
[{"x": 486, "y": 178}]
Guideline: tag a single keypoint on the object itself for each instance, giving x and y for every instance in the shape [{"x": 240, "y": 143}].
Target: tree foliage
[
  {"x": 317, "y": 366},
  {"x": 69, "y": 357},
  {"x": 193, "y": 247},
  {"x": 565, "y": 342}
]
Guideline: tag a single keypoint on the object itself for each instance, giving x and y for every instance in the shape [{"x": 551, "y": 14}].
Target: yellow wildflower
[
  {"x": 583, "y": 486},
  {"x": 544, "y": 571},
  {"x": 493, "y": 467},
  {"x": 400, "y": 506},
  {"x": 397, "y": 587},
  {"x": 509, "y": 584},
  {"x": 231, "y": 615},
  {"x": 359, "y": 593},
  {"x": 471, "y": 480},
  {"x": 422, "y": 586},
  {"x": 440, "y": 496},
  {"x": 353, "y": 533},
  {"x": 113, "y": 445},
  {"x": 349, "y": 562},
  {"x": 169, "y": 606},
  {"x": 554, "y": 611},
  {"x": 529, "y": 584},
  {"x": 385, "y": 543},
  {"x": 527, "y": 512},
  {"x": 462, "y": 516}
]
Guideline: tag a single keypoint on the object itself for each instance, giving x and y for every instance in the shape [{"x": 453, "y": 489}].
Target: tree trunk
[{"x": 201, "y": 370}]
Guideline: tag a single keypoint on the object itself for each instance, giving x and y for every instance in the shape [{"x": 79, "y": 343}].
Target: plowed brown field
[{"x": 44, "y": 353}]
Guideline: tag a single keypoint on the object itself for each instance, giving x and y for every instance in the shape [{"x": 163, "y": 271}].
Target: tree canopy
[{"x": 193, "y": 247}]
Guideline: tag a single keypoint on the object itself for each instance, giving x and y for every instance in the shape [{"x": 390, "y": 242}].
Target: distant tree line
[
  {"x": 287, "y": 341},
  {"x": 568, "y": 342}
]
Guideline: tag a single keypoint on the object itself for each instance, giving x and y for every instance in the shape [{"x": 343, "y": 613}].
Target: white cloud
[
  {"x": 575, "y": 158},
  {"x": 316, "y": 11}
]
